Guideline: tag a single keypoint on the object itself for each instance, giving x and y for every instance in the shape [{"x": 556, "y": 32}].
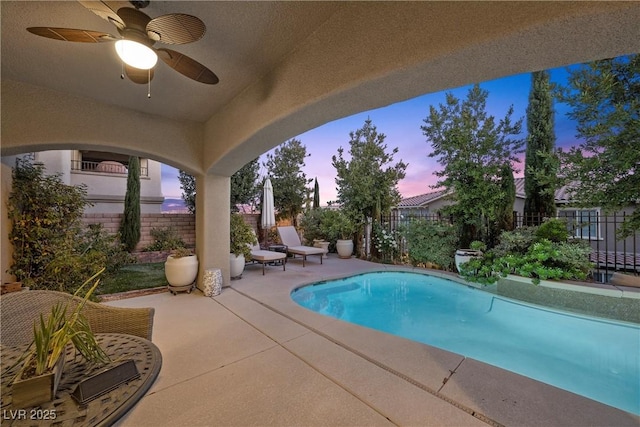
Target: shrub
[
  {"x": 45, "y": 220},
  {"x": 385, "y": 241},
  {"x": 51, "y": 249},
  {"x": 554, "y": 230},
  {"x": 96, "y": 239},
  {"x": 431, "y": 241},
  {"x": 241, "y": 236},
  {"x": 515, "y": 242},
  {"x": 336, "y": 224},
  {"x": 164, "y": 239},
  {"x": 311, "y": 224},
  {"x": 544, "y": 260}
]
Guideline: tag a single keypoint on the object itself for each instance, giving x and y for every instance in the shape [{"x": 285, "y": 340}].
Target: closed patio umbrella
[{"x": 268, "y": 219}]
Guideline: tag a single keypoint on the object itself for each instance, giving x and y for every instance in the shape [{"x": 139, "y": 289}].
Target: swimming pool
[{"x": 596, "y": 358}]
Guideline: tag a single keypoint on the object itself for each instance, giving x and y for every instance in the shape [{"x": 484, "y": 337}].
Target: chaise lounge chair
[
  {"x": 263, "y": 257},
  {"x": 289, "y": 237}
]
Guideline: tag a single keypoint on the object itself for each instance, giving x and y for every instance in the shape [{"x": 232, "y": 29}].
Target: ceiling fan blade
[
  {"x": 104, "y": 11},
  {"x": 137, "y": 75},
  {"x": 72, "y": 35},
  {"x": 134, "y": 19},
  {"x": 176, "y": 28},
  {"x": 187, "y": 66}
]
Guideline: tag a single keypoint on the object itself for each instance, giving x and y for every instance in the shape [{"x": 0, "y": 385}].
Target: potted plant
[
  {"x": 341, "y": 226},
  {"x": 241, "y": 235},
  {"x": 475, "y": 250},
  {"x": 312, "y": 229},
  {"x": 37, "y": 381},
  {"x": 181, "y": 269}
]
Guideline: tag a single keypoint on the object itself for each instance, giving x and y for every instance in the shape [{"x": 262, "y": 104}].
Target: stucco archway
[{"x": 285, "y": 67}]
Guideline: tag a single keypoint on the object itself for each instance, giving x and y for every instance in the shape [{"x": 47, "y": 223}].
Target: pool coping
[{"x": 479, "y": 369}]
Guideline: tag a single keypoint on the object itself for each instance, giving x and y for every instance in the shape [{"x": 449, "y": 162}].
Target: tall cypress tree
[
  {"x": 130, "y": 225},
  {"x": 539, "y": 164},
  {"x": 504, "y": 209}
]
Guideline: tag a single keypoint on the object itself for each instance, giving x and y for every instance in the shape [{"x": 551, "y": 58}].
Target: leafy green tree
[
  {"x": 472, "y": 149},
  {"x": 368, "y": 181},
  {"x": 244, "y": 188},
  {"x": 130, "y": 225},
  {"x": 539, "y": 190},
  {"x": 289, "y": 183},
  {"x": 244, "y": 185},
  {"x": 188, "y": 186},
  {"x": 605, "y": 168},
  {"x": 504, "y": 208}
]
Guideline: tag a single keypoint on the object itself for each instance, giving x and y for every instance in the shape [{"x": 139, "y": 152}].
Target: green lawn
[{"x": 133, "y": 277}]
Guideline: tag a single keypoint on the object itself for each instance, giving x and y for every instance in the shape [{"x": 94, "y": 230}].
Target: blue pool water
[{"x": 596, "y": 358}]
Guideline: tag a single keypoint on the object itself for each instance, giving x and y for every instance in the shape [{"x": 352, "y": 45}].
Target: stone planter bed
[{"x": 598, "y": 300}]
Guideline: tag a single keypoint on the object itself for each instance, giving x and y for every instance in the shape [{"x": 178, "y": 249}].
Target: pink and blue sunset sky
[{"x": 401, "y": 123}]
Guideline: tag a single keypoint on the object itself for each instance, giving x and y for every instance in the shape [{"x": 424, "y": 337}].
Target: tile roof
[
  {"x": 421, "y": 199},
  {"x": 562, "y": 195}
]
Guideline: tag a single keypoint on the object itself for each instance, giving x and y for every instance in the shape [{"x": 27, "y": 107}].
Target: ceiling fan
[{"x": 138, "y": 33}]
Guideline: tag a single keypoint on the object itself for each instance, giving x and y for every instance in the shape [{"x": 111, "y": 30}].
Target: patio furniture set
[
  {"x": 291, "y": 244},
  {"x": 123, "y": 333}
]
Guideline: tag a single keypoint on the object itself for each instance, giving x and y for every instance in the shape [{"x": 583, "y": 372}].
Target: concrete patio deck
[{"x": 253, "y": 357}]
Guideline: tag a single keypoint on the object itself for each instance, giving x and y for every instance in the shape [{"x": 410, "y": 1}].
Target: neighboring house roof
[
  {"x": 562, "y": 196},
  {"x": 422, "y": 199}
]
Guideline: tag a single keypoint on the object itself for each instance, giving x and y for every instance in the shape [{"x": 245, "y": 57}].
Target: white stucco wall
[{"x": 106, "y": 190}]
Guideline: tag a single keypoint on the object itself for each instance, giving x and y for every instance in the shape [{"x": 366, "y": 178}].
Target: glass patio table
[{"x": 64, "y": 410}]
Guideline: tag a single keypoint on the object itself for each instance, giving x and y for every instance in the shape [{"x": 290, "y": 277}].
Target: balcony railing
[{"x": 107, "y": 166}]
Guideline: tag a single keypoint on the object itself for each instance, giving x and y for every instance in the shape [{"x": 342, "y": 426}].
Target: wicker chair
[{"x": 19, "y": 310}]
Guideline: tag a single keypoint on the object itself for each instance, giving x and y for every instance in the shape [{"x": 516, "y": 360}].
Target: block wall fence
[{"x": 184, "y": 225}]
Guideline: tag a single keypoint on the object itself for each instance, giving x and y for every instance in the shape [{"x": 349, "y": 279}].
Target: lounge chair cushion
[
  {"x": 263, "y": 257},
  {"x": 267, "y": 256},
  {"x": 305, "y": 250},
  {"x": 289, "y": 237}
]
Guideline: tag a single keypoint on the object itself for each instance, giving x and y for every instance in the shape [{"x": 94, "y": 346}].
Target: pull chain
[
  {"x": 149, "y": 83},
  {"x": 122, "y": 71}
]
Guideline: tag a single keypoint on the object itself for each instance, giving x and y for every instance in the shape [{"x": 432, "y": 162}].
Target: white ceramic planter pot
[
  {"x": 236, "y": 265},
  {"x": 344, "y": 248},
  {"x": 465, "y": 255},
  {"x": 181, "y": 271},
  {"x": 323, "y": 245}
]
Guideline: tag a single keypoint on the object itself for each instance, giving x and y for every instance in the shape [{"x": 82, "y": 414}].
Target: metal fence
[{"x": 610, "y": 252}]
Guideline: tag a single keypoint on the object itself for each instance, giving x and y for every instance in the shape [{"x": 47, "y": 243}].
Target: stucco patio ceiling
[{"x": 284, "y": 67}]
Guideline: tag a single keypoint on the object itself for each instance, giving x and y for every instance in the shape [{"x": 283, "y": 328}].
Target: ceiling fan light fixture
[{"x": 136, "y": 54}]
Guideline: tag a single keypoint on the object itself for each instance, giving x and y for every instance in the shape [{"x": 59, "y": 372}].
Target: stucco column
[{"x": 213, "y": 224}]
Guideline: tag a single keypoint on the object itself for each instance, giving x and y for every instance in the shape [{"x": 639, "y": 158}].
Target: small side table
[
  {"x": 212, "y": 282},
  {"x": 278, "y": 248}
]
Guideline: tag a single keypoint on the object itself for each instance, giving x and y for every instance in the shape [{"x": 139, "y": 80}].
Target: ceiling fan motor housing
[{"x": 140, "y": 4}]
